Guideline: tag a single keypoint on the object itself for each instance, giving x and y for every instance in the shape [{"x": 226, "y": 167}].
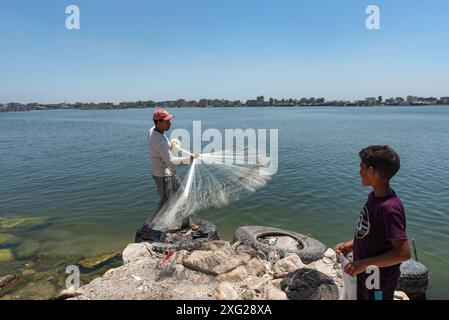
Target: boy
[{"x": 380, "y": 238}]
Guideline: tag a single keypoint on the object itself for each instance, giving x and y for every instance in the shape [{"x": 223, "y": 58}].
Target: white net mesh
[{"x": 213, "y": 180}]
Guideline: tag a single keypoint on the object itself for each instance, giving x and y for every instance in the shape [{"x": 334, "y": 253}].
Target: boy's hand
[
  {"x": 345, "y": 248},
  {"x": 355, "y": 267}
]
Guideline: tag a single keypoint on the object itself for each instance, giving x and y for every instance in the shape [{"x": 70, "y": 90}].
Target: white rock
[
  {"x": 136, "y": 251},
  {"x": 236, "y": 275},
  {"x": 327, "y": 260},
  {"x": 215, "y": 245},
  {"x": 254, "y": 283},
  {"x": 249, "y": 295},
  {"x": 215, "y": 262},
  {"x": 400, "y": 295},
  {"x": 225, "y": 291},
  {"x": 255, "y": 267},
  {"x": 289, "y": 264},
  {"x": 276, "y": 283},
  {"x": 330, "y": 254},
  {"x": 275, "y": 293}
]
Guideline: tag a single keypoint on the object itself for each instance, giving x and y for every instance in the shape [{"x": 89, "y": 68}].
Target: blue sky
[{"x": 233, "y": 49}]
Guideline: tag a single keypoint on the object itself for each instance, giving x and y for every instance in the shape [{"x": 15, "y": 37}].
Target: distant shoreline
[
  {"x": 6, "y": 110},
  {"x": 214, "y": 103}
]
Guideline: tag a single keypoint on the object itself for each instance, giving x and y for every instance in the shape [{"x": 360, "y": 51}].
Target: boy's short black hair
[{"x": 382, "y": 158}]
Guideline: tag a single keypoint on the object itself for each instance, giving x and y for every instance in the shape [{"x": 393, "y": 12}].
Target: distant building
[
  {"x": 260, "y": 100},
  {"x": 412, "y": 99},
  {"x": 444, "y": 100}
]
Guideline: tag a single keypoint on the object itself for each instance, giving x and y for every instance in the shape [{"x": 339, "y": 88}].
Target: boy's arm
[{"x": 399, "y": 253}]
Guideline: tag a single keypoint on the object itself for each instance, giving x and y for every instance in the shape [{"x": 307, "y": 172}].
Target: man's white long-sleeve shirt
[{"x": 164, "y": 162}]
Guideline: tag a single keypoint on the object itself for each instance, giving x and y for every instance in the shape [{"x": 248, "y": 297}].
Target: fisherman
[{"x": 163, "y": 163}]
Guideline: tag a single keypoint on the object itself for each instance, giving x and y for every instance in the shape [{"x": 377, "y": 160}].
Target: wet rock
[
  {"x": 36, "y": 291},
  {"x": 215, "y": 262},
  {"x": 66, "y": 294},
  {"x": 28, "y": 272},
  {"x": 9, "y": 223},
  {"x": 309, "y": 284},
  {"x": 6, "y": 255},
  {"x": 7, "y": 239},
  {"x": 87, "y": 277},
  {"x": 289, "y": 264},
  {"x": 225, "y": 291},
  {"x": 8, "y": 279},
  {"x": 255, "y": 267},
  {"x": 26, "y": 249},
  {"x": 99, "y": 261},
  {"x": 236, "y": 275},
  {"x": 214, "y": 245}
]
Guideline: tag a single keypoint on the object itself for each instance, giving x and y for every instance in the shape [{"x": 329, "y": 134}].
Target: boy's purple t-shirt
[{"x": 381, "y": 220}]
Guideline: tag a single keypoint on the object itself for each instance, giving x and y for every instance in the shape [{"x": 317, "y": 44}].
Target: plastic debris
[{"x": 136, "y": 277}]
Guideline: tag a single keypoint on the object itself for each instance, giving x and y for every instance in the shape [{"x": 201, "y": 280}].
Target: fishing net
[{"x": 213, "y": 180}]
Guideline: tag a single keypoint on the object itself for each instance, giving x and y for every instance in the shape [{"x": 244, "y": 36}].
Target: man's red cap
[{"x": 161, "y": 114}]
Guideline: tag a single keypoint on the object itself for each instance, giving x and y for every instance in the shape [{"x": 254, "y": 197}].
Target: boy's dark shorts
[{"x": 364, "y": 294}]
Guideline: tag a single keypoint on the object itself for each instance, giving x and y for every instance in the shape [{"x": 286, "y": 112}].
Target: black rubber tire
[
  {"x": 207, "y": 231},
  {"x": 312, "y": 249},
  {"x": 414, "y": 277}
]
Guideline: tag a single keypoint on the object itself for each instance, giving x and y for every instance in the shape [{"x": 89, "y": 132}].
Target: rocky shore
[
  {"x": 213, "y": 269},
  {"x": 218, "y": 270}
]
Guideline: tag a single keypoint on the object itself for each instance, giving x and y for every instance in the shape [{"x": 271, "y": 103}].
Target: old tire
[
  {"x": 414, "y": 278},
  {"x": 206, "y": 231},
  {"x": 308, "y": 249}
]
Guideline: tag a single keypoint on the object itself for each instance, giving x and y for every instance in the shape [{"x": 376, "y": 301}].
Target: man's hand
[
  {"x": 345, "y": 248},
  {"x": 194, "y": 156},
  {"x": 355, "y": 267}
]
